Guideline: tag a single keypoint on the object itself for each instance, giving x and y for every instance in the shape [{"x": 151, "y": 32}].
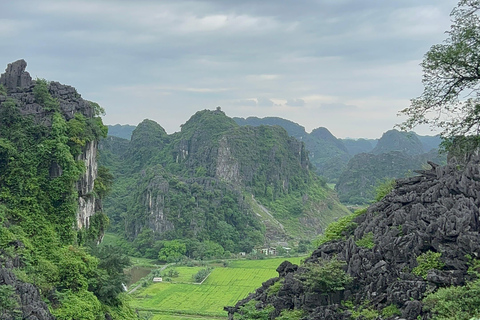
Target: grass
[{"x": 224, "y": 287}]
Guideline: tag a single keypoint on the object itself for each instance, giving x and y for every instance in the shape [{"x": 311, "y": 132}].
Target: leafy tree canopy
[{"x": 451, "y": 78}]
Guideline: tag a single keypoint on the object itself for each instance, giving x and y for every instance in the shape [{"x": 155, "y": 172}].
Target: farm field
[{"x": 223, "y": 287}]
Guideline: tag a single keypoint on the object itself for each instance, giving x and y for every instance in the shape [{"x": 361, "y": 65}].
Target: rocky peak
[
  {"x": 15, "y": 76},
  {"x": 394, "y": 140}
]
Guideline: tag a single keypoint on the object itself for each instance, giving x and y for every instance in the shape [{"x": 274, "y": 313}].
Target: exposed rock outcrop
[
  {"x": 436, "y": 211},
  {"x": 19, "y": 86}
]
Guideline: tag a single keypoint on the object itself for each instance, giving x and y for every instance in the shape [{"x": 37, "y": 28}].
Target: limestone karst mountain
[
  {"x": 50, "y": 192},
  {"x": 389, "y": 261},
  {"x": 395, "y": 155},
  {"x": 237, "y": 186}
]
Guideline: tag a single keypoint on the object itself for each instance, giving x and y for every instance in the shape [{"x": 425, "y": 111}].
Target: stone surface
[{"x": 436, "y": 211}]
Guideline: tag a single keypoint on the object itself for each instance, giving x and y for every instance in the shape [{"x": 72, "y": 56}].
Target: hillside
[
  {"x": 327, "y": 154},
  {"x": 396, "y": 155},
  {"x": 412, "y": 255},
  {"x": 215, "y": 184},
  {"x": 50, "y": 205}
]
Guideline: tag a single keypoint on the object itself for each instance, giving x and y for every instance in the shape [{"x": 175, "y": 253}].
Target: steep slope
[
  {"x": 209, "y": 181},
  {"x": 396, "y": 155},
  {"x": 327, "y": 154},
  {"x": 50, "y": 192},
  {"x": 389, "y": 261}
]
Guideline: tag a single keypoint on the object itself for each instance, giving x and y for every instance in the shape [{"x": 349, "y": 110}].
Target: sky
[{"x": 347, "y": 65}]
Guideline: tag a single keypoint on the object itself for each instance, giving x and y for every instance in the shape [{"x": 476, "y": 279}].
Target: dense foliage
[{"x": 38, "y": 208}]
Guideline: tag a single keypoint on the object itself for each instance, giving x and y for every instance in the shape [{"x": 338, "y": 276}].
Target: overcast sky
[{"x": 348, "y": 65}]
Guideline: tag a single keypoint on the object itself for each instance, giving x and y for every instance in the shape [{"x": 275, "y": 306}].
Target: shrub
[
  {"x": 274, "y": 288},
  {"x": 384, "y": 188},
  {"x": 291, "y": 315},
  {"x": 366, "y": 241},
  {"x": 201, "y": 275},
  {"x": 427, "y": 261},
  {"x": 326, "y": 276},
  {"x": 390, "y": 311},
  {"x": 249, "y": 311},
  {"x": 339, "y": 229},
  {"x": 456, "y": 303}
]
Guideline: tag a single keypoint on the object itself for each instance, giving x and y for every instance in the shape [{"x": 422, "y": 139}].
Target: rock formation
[
  {"x": 19, "y": 86},
  {"x": 436, "y": 211}
]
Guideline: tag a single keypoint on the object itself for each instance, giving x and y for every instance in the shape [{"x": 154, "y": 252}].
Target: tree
[
  {"x": 172, "y": 251},
  {"x": 451, "y": 78}
]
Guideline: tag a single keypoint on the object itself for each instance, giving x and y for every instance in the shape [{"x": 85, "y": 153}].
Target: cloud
[
  {"x": 245, "y": 103},
  {"x": 337, "y": 107},
  {"x": 295, "y": 103},
  {"x": 173, "y": 57},
  {"x": 265, "y": 102}
]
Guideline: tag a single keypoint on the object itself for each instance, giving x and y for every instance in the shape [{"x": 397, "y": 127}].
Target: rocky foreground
[{"x": 434, "y": 214}]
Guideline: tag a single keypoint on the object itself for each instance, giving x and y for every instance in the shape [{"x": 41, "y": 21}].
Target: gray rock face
[
  {"x": 436, "y": 211},
  {"x": 15, "y": 76},
  {"x": 30, "y": 304}
]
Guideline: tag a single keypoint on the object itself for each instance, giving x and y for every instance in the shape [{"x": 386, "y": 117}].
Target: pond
[{"x": 137, "y": 273}]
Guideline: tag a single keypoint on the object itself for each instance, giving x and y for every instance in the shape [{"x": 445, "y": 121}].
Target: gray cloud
[
  {"x": 265, "y": 102},
  {"x": 295, "y": 102},
  {"x": 337, "y": 107},
  {"x": 361, "y": 53}
]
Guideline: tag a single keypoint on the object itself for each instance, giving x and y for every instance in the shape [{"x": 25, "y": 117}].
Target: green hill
[{"x": 216, "y": 186}]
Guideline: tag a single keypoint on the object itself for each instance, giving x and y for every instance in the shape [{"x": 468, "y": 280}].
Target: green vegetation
[
  {"x": 427, "y": 261},
  {"x": 250, "y": 311},
  {"x": 291, "y": 315},
  {"x": 384, "y": 188},
  {"x": 205, "y": 185},
  {"x": 326, "y": 276},
  {"x": 390, "y": 311},
  {"x": 223, "y": 287},
  {"x": 341, "y": 229},
  {"x": 38, "y": 208},
  {"x": 201, "y": 275},
  {"x": 451, "y": 79},
  {"x": 8, "y": 302},
  {"x": 366, "y": 241},
  {"x": 456, "y": 303}
]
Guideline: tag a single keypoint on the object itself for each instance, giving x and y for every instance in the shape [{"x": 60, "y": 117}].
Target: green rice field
[{"x": 180, "y": 300}]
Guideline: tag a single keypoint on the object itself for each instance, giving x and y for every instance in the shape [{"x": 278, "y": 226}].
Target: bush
[
  {"x": 456, "y": 303},
  {"x": 366, "y": 241},
  {"x": 427, "y": 261},
  {"x": 201, "y": 275},
  {"x": 390, "y": 311},
  {"x": 291, "y": 315},
  {"x": 339, "y": 229},
  {"x": 326, "y": 276},
  {"x": 249, "y": 311},
  {"x": 384, "y": 188},
  {"x": 274, "y": 288}
]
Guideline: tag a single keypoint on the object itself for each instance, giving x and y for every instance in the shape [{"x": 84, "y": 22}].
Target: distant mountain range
[{"x": 356, "y": 166}]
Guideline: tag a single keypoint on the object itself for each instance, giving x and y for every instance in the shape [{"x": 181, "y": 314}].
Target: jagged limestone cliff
[
  {"x": 423, "y": 236},
  {"x": 20, "y": 87},
  {"x": 48, "y": 169}
]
